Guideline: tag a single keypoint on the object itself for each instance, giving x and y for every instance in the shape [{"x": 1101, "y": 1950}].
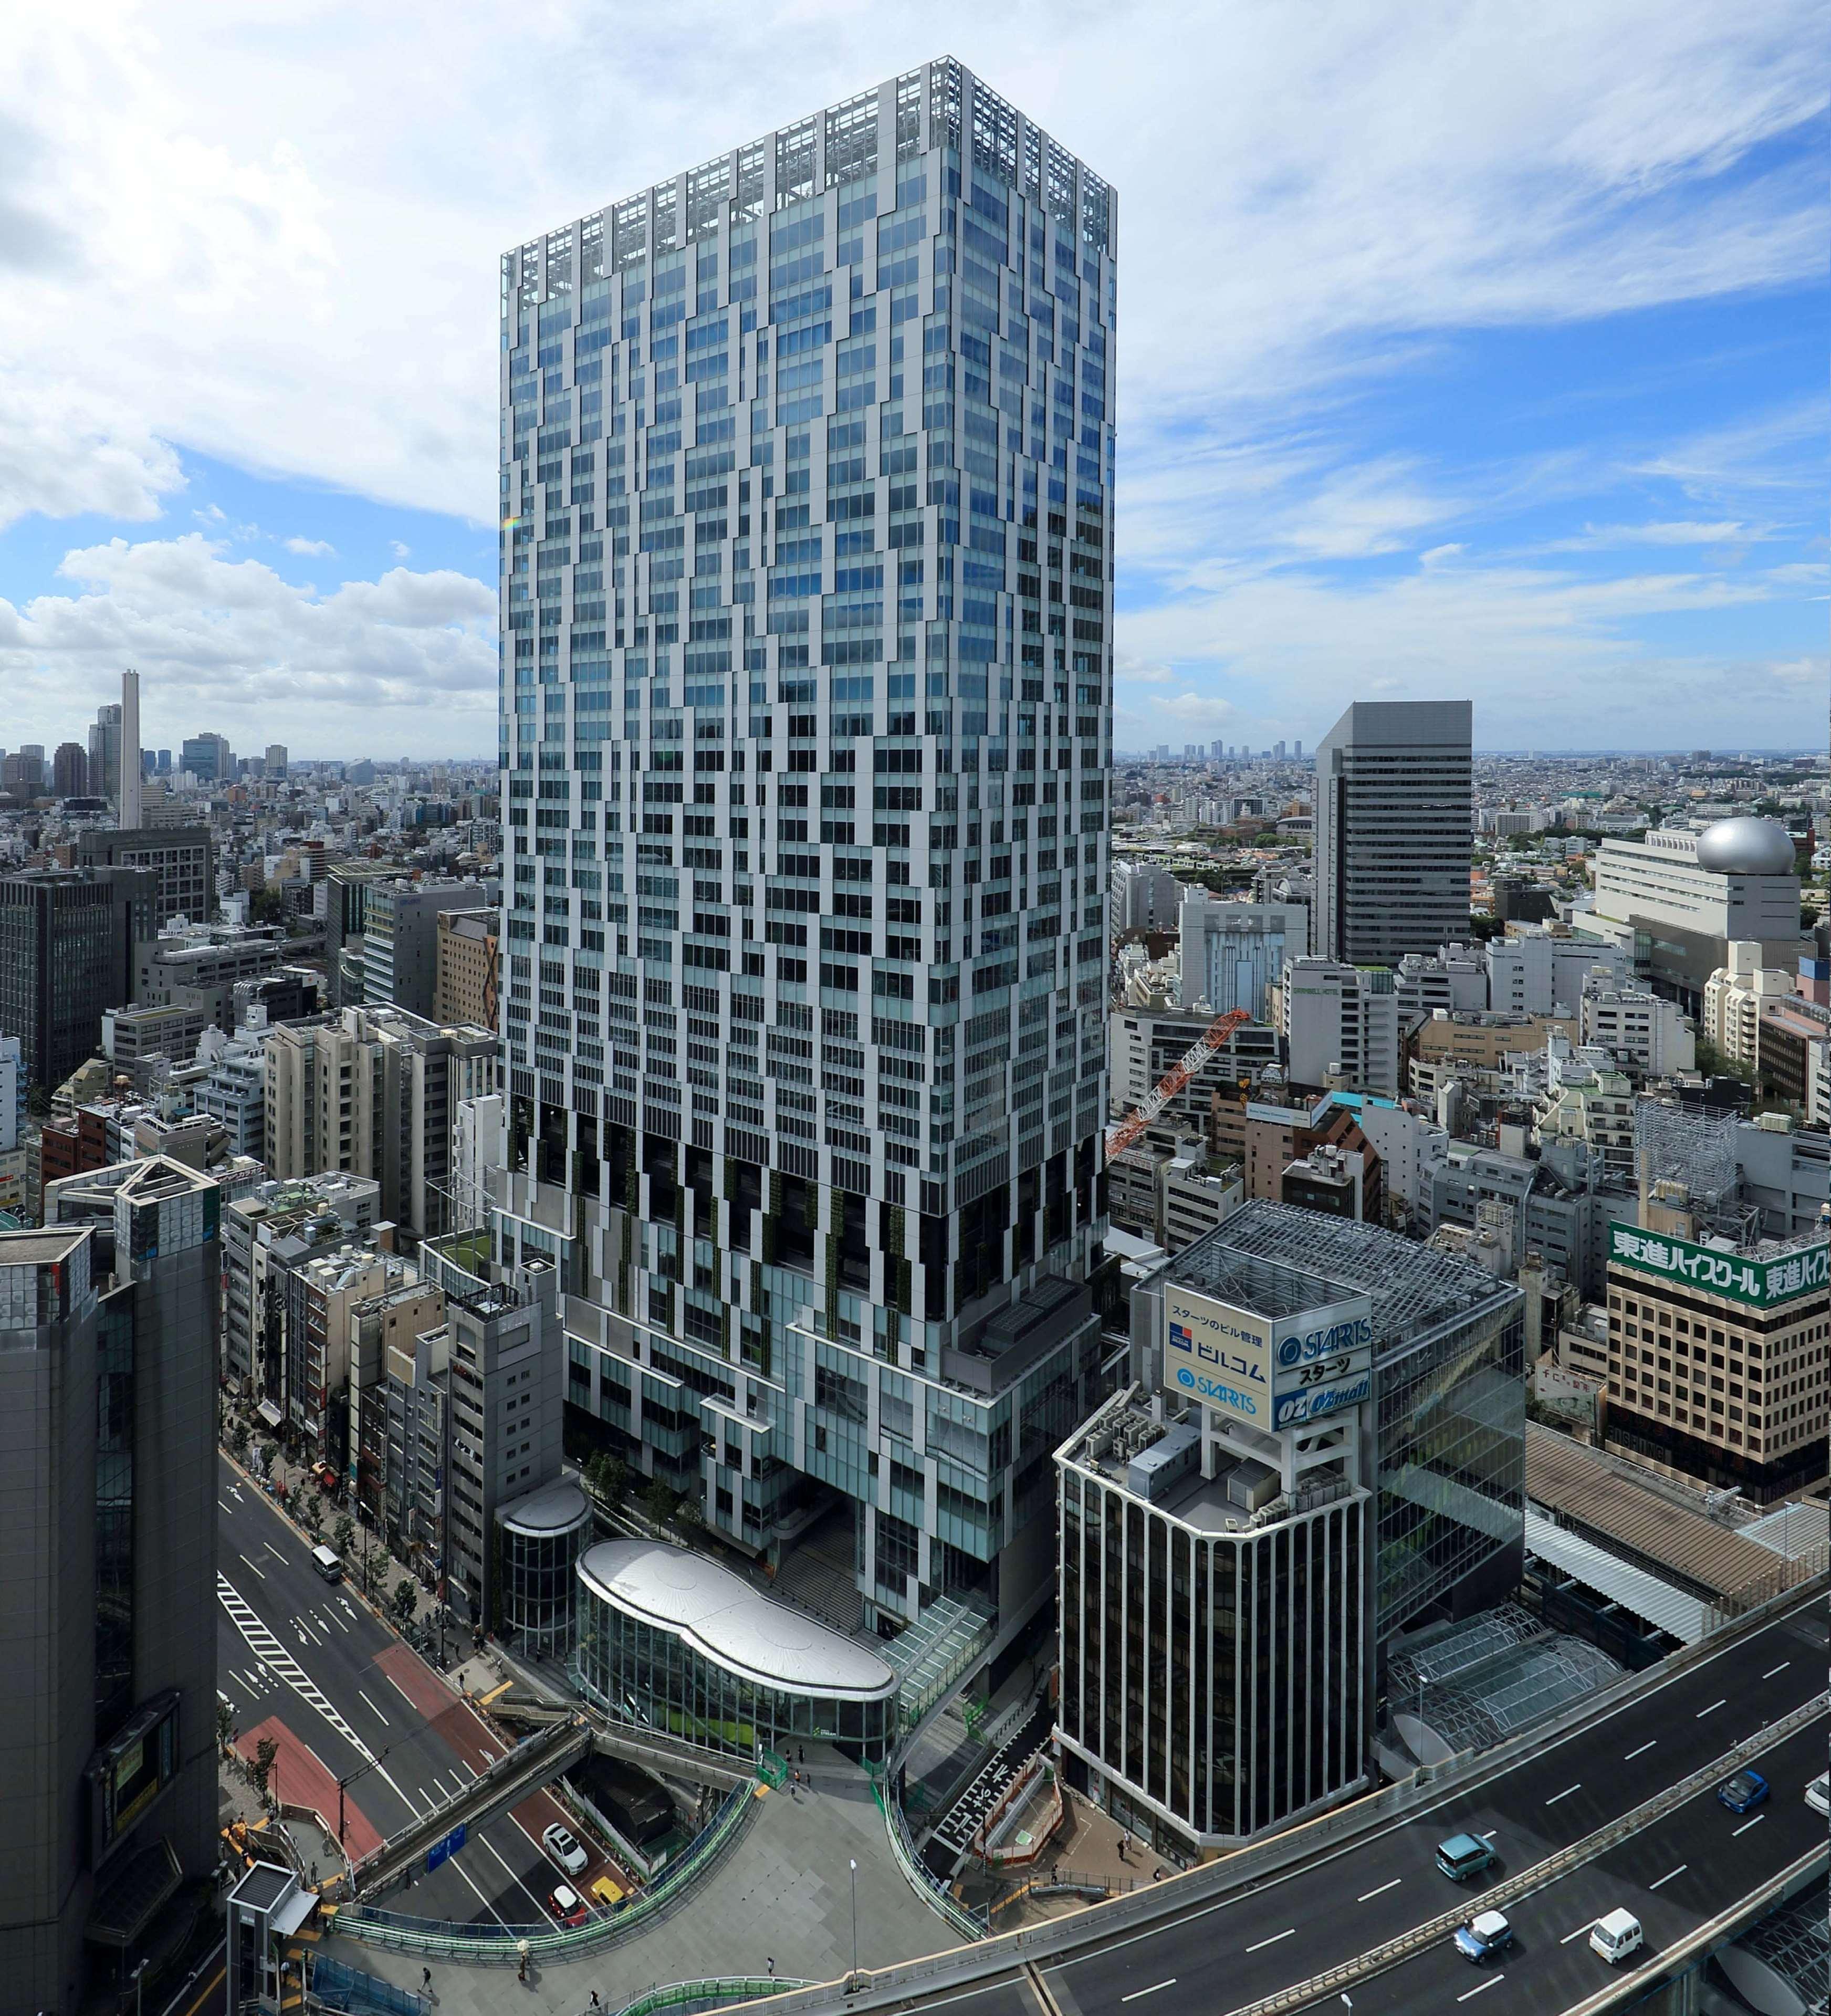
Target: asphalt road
[
  {"x": 1230, "y": 1950},
  {"x": 342, "y": 1684}
]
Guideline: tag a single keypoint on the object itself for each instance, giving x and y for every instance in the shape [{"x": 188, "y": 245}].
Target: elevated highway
[{"x": 1615, "y": 1804}]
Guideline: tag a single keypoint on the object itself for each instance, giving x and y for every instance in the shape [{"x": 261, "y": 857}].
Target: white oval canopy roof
[{"x": 727, "y": 1621}]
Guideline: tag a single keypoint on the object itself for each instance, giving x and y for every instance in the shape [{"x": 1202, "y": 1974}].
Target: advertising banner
[
  {"x": 1269, "y": 1372},
  {"x": 1762, "y": 1284}
]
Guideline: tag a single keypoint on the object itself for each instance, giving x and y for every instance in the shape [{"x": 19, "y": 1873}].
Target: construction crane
[{"x": 1120, "y": 1136}]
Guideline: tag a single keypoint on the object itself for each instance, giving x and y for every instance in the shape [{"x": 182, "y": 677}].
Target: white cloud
[
  {"x": 1548, "y": 657},
  {"x": 400, "y": 552},
  {"x": 273, "y": 236},
  {"x": 229, "y": 643},
  {"x": 298, "y": 545}
]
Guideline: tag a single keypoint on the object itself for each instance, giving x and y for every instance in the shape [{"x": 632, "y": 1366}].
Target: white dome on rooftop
[{"x": 1746, "y": 846}]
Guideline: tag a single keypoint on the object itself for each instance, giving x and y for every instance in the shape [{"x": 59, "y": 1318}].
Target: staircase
[{"x": 819, "y": 1575}]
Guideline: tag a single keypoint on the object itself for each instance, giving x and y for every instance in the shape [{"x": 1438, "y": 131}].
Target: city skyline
[{"x": 1413, "y": 436}]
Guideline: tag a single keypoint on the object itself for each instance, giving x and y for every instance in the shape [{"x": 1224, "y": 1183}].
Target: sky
[{"x": 1463, "y": 349}]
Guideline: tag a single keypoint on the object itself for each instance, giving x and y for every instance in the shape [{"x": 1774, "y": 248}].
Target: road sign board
[{"x": 443, "y": 1850}]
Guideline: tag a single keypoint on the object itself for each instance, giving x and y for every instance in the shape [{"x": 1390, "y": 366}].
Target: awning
[
  {"x": 270, "y": 1413},
  {"x": 131, "y": 1898}
]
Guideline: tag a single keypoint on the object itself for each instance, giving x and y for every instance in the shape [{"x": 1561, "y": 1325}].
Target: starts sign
[{"x": 1269, "y": 1371}]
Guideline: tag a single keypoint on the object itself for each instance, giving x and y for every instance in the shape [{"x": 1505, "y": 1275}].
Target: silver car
[{"x": 565, "y": 1849}]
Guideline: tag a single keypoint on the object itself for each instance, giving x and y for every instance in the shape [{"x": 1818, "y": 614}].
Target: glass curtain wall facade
[{"x": 806, "y": 466}]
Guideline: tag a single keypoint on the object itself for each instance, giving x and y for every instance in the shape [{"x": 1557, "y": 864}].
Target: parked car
[
  {"x": 1742, "y": 1792},
  {"x": 1487, "y": 1934},
  {"x": 567, "y": 1906},
  {"x": 1615, "y": 1936},
  {"x": 565, "y": 1849},
  {"x": 1464, "y": 1855},
  {"x": 1817, "y": 1794}
]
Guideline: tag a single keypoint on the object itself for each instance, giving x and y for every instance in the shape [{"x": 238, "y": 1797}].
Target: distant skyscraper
[
  {"x": 276, "y": 759},
  {"x": 105, "y": 753},
  {"x": 208, "y": 757},
  {"x": 70, "y": 770},
  {"x": 127, "y": 802},
  {"x": 819, "y": 927},
  {"x": 165, "y": 762},
  {"x": 1394, "y": 806},
  {"x": 1299, "y": 747}
]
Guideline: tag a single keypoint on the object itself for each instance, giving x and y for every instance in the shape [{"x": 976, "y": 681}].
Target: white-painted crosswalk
[{"x": 273, "y": 1655}]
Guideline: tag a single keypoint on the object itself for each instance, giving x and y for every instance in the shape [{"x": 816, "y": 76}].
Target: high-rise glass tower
[{"x": 807, "y": 470}]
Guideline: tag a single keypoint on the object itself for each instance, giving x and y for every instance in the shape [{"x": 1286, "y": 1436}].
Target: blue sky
[{"x": 1462, "y": 349}]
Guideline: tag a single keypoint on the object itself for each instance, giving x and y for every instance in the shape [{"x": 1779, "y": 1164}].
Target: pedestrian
[
  {"x": 521, "y": 1968},
  {"x": 771, "y": 1964},
  {"x": 425, "y": 1981},
  {"x": 595, "y": 2003},
  {"x": 801, "y": 1753}
]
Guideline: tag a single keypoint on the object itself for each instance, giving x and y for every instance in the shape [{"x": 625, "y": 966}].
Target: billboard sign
[
  {"x": 1249, "y": 1366},
  {"x": 1761, "y": 1284}
]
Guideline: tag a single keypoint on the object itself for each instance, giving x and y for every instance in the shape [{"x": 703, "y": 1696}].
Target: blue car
[
  {"x": 1743, "y": 1792},
  {"x": 1463, "y": 1856},
  {"x": 1485, "y": 1935}
]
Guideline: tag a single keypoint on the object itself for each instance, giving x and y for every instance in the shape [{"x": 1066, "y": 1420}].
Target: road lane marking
[
  {"x": 1139, "y": 1994},
  {"x": 1290, "y": 1932},
  {"x": 1746, "y": 1825},
  {"x": 1669, "y": 1875},
  {"x": 1565, "y": 1793},
  {"x": 229, "y": 1509},
  {"x": 1642, "y": 1751},
  {"x": 224, "y": 1698},
  {"x": 275, "y": 1551},
  {"x": 1711, "y": 1710},
  {"x": 1493, "y": 1981},
  {"x": 244, "y": 1685},
  {"x": 336, "y": 1620},
  {"x": 1489, "y": 1836},
  {"x": 1381, "y": 1892},
  {"x": 276, "y": 1658},
  {"x": 514, "y": 1876},
  {"x": 1773, "y": 1670},
  {"x": 261, "y": 1573},
  {"x": 375, "y": 1711},
  {"x": 1580, "y": 1930}
]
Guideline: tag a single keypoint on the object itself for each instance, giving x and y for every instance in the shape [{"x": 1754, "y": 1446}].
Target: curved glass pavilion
[
  {"x": 543, "y": 1534},
  {"x": 668, "y": 1637}
]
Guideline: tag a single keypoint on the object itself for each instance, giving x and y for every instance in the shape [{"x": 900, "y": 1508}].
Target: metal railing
[
  {"x": 1254, "y": 1864},
  {"x": 503, "y": 1944},
  {"x": 1510, "y": 1889},
  {"x": 677, "y": 1994},
  {"x": 921, "y": 1880}
]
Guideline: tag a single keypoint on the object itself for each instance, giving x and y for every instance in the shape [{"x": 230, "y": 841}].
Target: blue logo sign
[
  {"x": 443, "y": 1850},
  {"x": 1222, "y": 1396},
  {"x": 1345, "y": 1336}
]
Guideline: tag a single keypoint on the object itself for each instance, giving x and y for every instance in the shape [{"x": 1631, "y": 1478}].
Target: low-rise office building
[
  {"x": 1325, "y": 1443},
  {"x": 1718, "y": 1354}
]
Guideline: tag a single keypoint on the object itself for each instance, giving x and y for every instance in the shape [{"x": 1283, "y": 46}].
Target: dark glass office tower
[
  {"x": 806, "y": 468},
  {"x": 108, "y": 1324}
]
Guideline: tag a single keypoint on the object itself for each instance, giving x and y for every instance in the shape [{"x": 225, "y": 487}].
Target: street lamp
[
  {"x": 854, "y": 1867},
  {"x": 139, "y": 1969}
]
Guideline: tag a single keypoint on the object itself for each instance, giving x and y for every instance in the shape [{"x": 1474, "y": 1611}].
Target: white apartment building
[
  {"x": 374, "y": 1090},
  {"x": 1536, "y": 973},
  {"x": 1735, "y": 996},
  {"x": 1340, "y": 1022},
  {"x": 1640, "y": 1029}
]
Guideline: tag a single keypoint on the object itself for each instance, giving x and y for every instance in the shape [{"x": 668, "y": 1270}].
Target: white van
[
  {"x": 1616, "y": 1936},
  {"x": 328, "y": 1563}
]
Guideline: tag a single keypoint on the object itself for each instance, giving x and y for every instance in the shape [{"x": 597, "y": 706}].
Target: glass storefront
[
  {"x": 543, "y": 1535},
  {"x": 668, "y": 1638}
]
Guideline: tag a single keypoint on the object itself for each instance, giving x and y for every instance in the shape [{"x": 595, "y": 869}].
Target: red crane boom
[{"x": 1121, "y": 1135}]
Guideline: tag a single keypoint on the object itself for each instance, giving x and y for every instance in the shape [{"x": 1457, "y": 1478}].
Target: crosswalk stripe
[{"x": 275, "y": 1656}]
